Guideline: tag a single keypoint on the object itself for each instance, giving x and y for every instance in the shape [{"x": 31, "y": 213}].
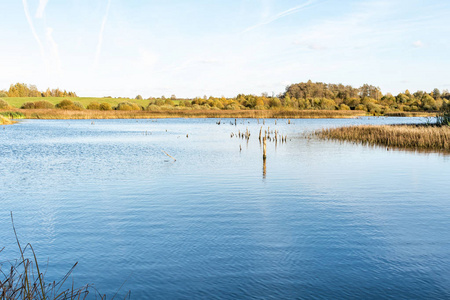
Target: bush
[
  {"x": 3, "y": 94},
  {"x": 344, "y": 107},
  {"x": 78, "y": 104},
  {"x": 444, "y": 117},
  {"x": 274, "y": 102},
  {"x": 69, "y": 105},
  {"x": 169, "y": 102},
  {"x": 28, "y": 105},
  {"x": 4, "y": 104},
  {"x": 93, "y": 106},
  {"x": 127, "y": 106},
  {"x": 361, "y": 107},
  {"x": 105, "y": 106},
  {"x": 153, "y": 107},
  {"x": 43, "y": 104}
]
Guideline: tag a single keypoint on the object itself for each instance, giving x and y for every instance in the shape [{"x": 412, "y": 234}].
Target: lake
[{"x": 321, "y": 219}]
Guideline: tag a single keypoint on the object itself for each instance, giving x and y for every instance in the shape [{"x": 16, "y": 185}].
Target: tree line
[
  {"x": 29, "y": 90},
  {"x": 299, "y": 96}
]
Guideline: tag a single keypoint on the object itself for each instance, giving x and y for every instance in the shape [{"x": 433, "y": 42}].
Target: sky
[{"x": 193, "y": 48}]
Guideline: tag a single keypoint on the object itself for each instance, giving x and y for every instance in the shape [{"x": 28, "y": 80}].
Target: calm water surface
[{"x": 321, "y": 219}]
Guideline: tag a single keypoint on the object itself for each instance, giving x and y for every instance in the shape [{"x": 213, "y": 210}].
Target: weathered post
[{"x": 264, "y": 149}]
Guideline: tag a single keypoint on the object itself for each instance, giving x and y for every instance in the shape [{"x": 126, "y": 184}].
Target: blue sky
[{"x": 195, "y": 48}]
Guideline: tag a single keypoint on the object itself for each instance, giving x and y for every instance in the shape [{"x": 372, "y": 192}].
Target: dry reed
[
  {"x": 424, "y": 137},
  {"x": 23, "y": 279},
  {"x": 5, "y": 121},
  {"x": 184, "y": 113}
]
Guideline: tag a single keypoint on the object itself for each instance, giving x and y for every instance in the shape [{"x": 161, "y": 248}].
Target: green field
[{"x": 18, "y": 101}]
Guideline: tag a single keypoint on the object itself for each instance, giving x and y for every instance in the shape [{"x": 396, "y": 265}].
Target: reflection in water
[{"x": 264, "y": 168}]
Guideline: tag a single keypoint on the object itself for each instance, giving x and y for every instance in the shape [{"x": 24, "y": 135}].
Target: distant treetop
[{"x": 29, "y": 90}]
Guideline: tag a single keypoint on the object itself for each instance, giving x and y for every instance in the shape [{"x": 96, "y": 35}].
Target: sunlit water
[{"x": 322, "y": 219}]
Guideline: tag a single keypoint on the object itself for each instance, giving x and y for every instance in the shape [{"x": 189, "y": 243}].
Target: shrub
[
  {"x": 127, "y": 106},
  {"x": 139, "y": 97},
  {"x": 28, "y": 105},
  {"x": 105, "y": 106},
  {"x": 93, "y": 106},
  {"x": 4, "y": 104},
  {"x": 78, "y": 104},
  {"x": 69, "y": 105},
  {"x": 444, "y": 117},
  {"x": 3, "y": 94},
  {"x": 169, "y": 102},
  {"x": 274, "y": 102},
  {"x": 344, "y": 107},
  {"x": 43, "y": 104},
  {"x": 153, "y": 107},
  {"x": 361, "y": 107}
]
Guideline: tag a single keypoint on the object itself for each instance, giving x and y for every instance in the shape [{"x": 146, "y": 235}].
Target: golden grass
[
  {"x": 5, "y": 121},
  {"x": 410, "y": 114},
  {"x": 422, "y": 137},
  {"x": 184, "y": 113}
]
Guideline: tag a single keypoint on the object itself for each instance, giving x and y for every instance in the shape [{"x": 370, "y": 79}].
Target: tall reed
[
  {"x": 23, "y": 279},
  {"x": 426, "y": 137}
]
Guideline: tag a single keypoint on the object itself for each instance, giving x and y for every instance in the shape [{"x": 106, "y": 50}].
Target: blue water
[{"x": 321, "y": 220}]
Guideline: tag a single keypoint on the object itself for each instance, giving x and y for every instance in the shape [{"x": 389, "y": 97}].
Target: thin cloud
[
  {"x": 33, "y": 30},
  {"x": 418, "y": 44},
  {"x": 280, "y": 15},
  {"x": 100, "y": 36},
  {"x": 41, "y": 8},
  {"x": 54, "y": 48}
]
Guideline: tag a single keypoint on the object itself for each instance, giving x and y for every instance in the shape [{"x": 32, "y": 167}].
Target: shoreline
[{"x": 61, "y": 114}]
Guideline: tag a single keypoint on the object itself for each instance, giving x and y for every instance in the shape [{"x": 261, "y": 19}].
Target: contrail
[
  {"x": 41, "y": 8},
  {"x": 100, "y": 37},
  {"x": 280, "y": 15},
  {"x": 55, "y": 52},
  {"x": 30, "y": 22}
]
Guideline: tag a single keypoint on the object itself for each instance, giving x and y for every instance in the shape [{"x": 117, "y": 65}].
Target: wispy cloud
[
  {"x": 41, "y": 8},
  {"x": 100, "y": 36},
  {"x": 33, "y": 30},
  {"x": 54, "y": 49},
  {"x": 280, "y": 15},
  {"x": 418, "y": 44}
]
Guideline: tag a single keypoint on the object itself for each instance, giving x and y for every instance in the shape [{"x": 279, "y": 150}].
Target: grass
[
  {"x": 12, "y": 114},
  {"x": 5, "y": 121},
  {"x": 410, "y": 114},
  {"x": 22, "y": 279},
  {"x": 183, "y": 113},
  {"x": 420, "y": 137},
  {"x": 17, "y": 102}
]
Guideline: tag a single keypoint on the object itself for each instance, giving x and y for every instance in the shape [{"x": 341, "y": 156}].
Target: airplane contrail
[
  {"x": 280, "y": 15},
  {"x": 30, "y": 22},
  {"x": 100, "y": 37}
]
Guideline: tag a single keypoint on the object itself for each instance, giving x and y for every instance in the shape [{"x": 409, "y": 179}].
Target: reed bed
[
  {"x": 185, "y": 113},
  {"x": 421, "y": 137},
  {"x": 410, "y": 114}
]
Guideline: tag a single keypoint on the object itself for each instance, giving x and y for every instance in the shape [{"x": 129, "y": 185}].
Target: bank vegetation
[
  {"x": 305, "y": 96},
  {"x": 430, "y": 136}
]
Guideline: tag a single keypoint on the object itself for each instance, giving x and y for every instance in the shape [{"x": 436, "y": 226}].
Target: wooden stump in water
[{"x": 264, "y": 148}]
